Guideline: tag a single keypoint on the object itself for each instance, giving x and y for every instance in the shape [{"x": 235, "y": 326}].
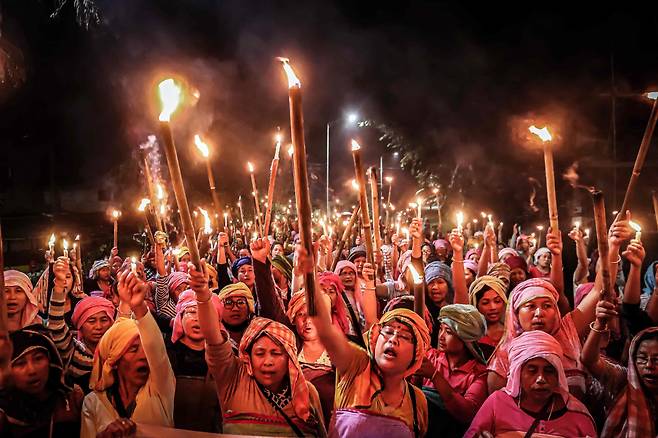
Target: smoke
[
  {"x": 534, "y": 184},
  {"x": 572, "y": 177}
]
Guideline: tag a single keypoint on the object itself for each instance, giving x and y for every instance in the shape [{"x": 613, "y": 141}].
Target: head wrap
[
  {"x": 403, "y": 261},
  {"x": 468, "y": 324},
  {"x": 356, "y": 252},
  {"x": 436, "y": 270},
  {"x": 238, "y": 289},
  {"x": 112, "y": 346},
  {"x": 472, "y": 252},
  {"x": 407, "y": 302},
  {"x": 531, "y": 345},
  {"x": 581, "y": 292},
  {"x": 516, "y": 262},
  {"x": 338, "y": 309},
  {"x": 486, "y": 282},
  {"x": 97, "y": 266},
  {"x": 521, "y": 238},
  {"x": 240, "y": 262},
  {"x": 283, "y": 265},
  {"x": 26, "y": 340},
  {"x": 284, "y": 337},
  {"x": 88, "y": 307},
  {"x": 176, "y": 279},
  {"x": 441, "y": 244},
  {"x": 344, "y": 264},
  {"x": 18, "y": 279},
  {"x": 506, "y": 252},
  {"x": 631, "y": 415},
  {"x": 501, "y": 271},
  {"x": 182, "y": 251},
  {"x": 524, "y": 292},
  {"x": 414, "y": 322},
  {"x": 185, "y": 300},
  {"x": 470, "y": 264},
  {"x": 297, "y": 302},
  {"x": 212, "y": 276},
  {"x": 541, "y": 251}
]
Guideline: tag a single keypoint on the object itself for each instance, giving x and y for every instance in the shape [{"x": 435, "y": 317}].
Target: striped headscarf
[
  {"x": 97, "y": 266},
  {"x": 631, "y": 416},
  {"x": 185, "y": 300},
  {"x": 284, "y": 337}
]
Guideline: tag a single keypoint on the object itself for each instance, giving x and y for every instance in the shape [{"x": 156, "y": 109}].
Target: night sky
[{"x": 459, "y": 84}]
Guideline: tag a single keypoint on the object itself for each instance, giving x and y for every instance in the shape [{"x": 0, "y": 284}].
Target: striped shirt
[{"x": 163, "y": 302}]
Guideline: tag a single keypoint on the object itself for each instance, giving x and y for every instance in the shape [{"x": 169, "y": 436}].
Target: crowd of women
[{"x": 231, "y": 346}]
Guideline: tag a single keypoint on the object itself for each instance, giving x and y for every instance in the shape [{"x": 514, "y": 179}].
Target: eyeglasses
[
  {"x": 388, "y": 332},
  {"x": 229, "y": 303}
]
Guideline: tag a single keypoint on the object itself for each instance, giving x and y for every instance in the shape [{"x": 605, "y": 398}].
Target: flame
[
  {"x": 577, "y": 224},
  {"x": 540, "y": 227},
  {"x": 460, "y": 219},
  {"x": 355, "y": 146},
  {"x": 278, "y": 138},
  {"x": 293, "y": 81},
  {"x": 201, "y": 145},
  {"x": 144, "y": 202},
  {"x": 250, "y": 167},
  {"x": 635, "y": 226},
  {"x": 77, "y": 237},
  {"x": 291, "y": 150},
  {"x": 653, "y": 95},
  {"x": 389, "y": 179},
  {"x": 413, "y": 205},
  {"x": 116, "y": 214},
  {"x": 160, "y": 191},
  {"x": 207, "y": 228},
  {"x": 65, "y": 244},
  {"x": 542, "y": 133},
  {"x": 51, "y": 241},
  {"x": 355, "y": 185},
  {"x": 170, "y": 96},
  {"x": 418, "y": 279},
  {"x": 483, "y": 214}
]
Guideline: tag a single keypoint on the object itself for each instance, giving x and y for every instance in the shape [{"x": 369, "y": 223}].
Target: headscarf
[
  {"x": 404, "y": 260},
  {"x": 541, "y": 251},
  {"x": 507, "y": 252},
  {"x": 18, "y": 279},
  {"x": 185, "y": 300},
  {"x": 88, "y": 307},
  {"x": 531, "y": 345},
  {"x": 283, "y": 265},
  {"x": 414, "y": 322},
  {"x": 441, "y": 244},
  {"x": 486, "y": 282},
  {"x": 516, "y": 262},
  {"x": 284, "y": 337},
  {"x": 112, "y": 346},
  {"x": 345, "y": 264},
  {"x": 436, "y": 270},
  {"x": 26, "y": 340},
  {"x": 297, "y": 303},
  {"x": 97, "y": 266},
  {"x": 240, "y": 262},
  {"x": 238, "y": 289},
  {"x": 45, "y": 282},
  {"x": 524, "y": 292},
  {"x": 501, "y": 271},
  {"x": 468, "y": 324},
  {"x": 407, "y": 302},
  {"x": 631, "y": 415},
  {"x": 470, "y": 264},
  {"x": 356, "y": 252},
  {"x": 182, "y": 251},
  {"x": 176, "y": 279},
  {"x": 581, "y": 292},
  {"x": 471, "y": 252},
  {"x": 338, "y": 310}
]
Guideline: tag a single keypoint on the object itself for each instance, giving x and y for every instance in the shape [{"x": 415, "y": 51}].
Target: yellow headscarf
[
  {"x": 238, "y": 290},
  {"x": 110, "y": 349}
]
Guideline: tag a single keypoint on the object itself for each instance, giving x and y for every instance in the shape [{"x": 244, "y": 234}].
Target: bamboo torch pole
[
  {"x": 170, "y": 96},
  {"x": 602, "y": 242},
  {"x": 346, "y": 235},
  {"x": 654, "y": 198},
  {"x": 363, "y": 201},
  {"x": 302, "y": 195},
  {"x": 374, "y": 193},
  {"x": 274, "y": 167}
]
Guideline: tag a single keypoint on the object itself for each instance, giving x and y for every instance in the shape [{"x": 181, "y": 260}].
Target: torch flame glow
[
  {"x": 460, "y": 219},
  {"x": 355, "y": 146},
  {"x": 653, "y": 95},
  {"x": 250, "y": 167},
  {"x": 160, "y": 191},
  {"x": 65, "y": 245},
  {"x": 116, "y": 214},
  {"x": 144, "y": 202},
  {"x": 635, "y": 226},
  {"x": 207, "y": 228},
  {"x": 389, "y": 179},
  {"x": 202, "y": 146},
  {"x": 293, "y": 80},
  {"x": 291, "y": 150},
  {"x": 418, "y": 279},
  {"x": 77, "y": 237},
  {"x": 542, "y": 133},
  {"x": 51, "y": 241},
  {"x": 355, "y": 185},
  {"x": 170, "y": 96}
]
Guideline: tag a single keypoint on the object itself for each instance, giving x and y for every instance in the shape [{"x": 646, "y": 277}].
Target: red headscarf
[{"x": 338, "y": 309}]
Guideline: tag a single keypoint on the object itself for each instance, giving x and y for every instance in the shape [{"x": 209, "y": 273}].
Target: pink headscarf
[
  {"x": 90, "y": 306},
  {"x": 470, "y": 264},
  {"x": 188, "y": 299},
  {"x": 527, "y": 291},
  {"x": 338, "y": 310},
  {"x": 345, "y": 264},
  {"x": 581, "y": 292},
  {"x": 176, "y": 279},
  {"x": 17, "y": 278},
  {"x": 531, "y": 345}
]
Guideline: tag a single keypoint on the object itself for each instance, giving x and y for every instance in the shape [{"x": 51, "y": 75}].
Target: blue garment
[
  {"x": 650, "y": 279},
  {"x": 436, "y": 270}
]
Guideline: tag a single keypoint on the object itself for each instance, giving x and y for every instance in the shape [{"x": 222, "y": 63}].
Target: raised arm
[
  {"x": 580, "y": 274},
  {"x": 369, "y": 299},
  {"x": 635, "y": 255},
  {"x": 416, "y": 231},
  {"x": 458, "y": 277},
  {"x": 598, "y": 338},
  {"x": 489, "y": 246},
  {"x": 57, "y": 327},
  {"x": 554, "y": 244},
  {"x": 270, "y": 303}
]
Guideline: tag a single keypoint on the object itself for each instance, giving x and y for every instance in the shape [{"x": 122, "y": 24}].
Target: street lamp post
[{"x": 351, "y": 119}]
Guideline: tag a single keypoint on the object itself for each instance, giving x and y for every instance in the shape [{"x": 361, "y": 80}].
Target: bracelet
[
  {"x": 591, "y": 327},
  {"x": 128, "y": 315},
  {"x": 205, "y": 301},
  {"x": 458, "y": 261},
  {"x": 617, "y": 262}
]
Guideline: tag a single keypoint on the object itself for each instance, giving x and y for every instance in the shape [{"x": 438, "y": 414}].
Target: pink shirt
[
  {"x": 500, "y": 416},
  {"x": 468, "y": 380}
]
